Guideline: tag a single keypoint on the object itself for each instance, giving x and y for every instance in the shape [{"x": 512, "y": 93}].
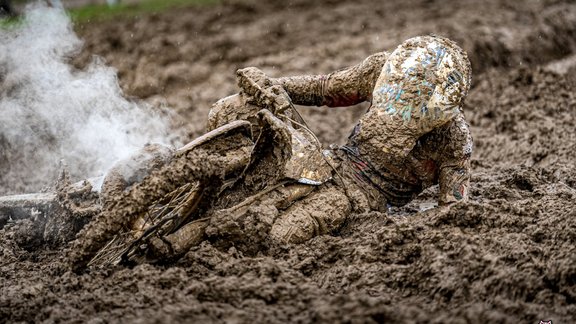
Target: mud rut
[{"x": 506, "y": 256}]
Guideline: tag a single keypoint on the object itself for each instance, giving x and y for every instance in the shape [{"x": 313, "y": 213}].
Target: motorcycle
[{"x": 158, "y": 204}]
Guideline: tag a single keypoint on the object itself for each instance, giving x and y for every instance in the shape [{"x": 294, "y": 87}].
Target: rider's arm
[
  {"x": 344, "y": 87},
  {"x": 454, "y": 182},
  {"x": 455, "y": 167}
]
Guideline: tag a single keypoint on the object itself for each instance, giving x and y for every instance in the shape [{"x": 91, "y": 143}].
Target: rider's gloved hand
[
  {"x": 252, "y": 80},
  {"x": 264, "y": 92}
]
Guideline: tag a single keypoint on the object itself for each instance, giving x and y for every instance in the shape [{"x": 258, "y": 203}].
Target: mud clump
[{"x": 505, "y": 256}]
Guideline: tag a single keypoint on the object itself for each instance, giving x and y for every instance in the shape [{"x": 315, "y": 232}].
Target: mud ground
[{"x": 506, "y": 256}]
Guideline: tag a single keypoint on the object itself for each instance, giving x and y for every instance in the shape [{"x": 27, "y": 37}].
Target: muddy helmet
[
  {"x": 425, "y": 78},
  {"x": 422, "y": 86}
]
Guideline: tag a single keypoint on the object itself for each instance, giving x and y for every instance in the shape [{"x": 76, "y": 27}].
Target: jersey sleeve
[{"x": 341, "y": 88}]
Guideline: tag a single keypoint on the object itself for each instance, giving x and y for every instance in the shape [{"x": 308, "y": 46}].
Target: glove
[
  {"x": 252, "y": 80},
  {"x": 256, "y": 84}
]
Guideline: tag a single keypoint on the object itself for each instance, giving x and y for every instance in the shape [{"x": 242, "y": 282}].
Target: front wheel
[{"x": 159, "y": 202}]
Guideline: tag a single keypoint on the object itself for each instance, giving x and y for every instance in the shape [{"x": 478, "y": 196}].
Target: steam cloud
[{"x": 50, "y": 111}]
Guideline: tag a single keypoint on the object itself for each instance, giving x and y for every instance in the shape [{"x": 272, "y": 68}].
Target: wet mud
[{"x": 506, "y": 255}]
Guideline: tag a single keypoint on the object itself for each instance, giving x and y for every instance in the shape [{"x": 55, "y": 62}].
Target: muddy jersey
[{"x": 398, "y": 162}]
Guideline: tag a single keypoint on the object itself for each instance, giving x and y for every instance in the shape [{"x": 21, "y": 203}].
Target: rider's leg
[{"x": 322, "y": 212}]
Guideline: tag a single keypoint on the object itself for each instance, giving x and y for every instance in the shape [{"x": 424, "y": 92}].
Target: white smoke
[{"x": 50, "y": 111}]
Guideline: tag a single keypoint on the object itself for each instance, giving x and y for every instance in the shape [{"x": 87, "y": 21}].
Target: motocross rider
[{"x": 413, "y": 136}]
